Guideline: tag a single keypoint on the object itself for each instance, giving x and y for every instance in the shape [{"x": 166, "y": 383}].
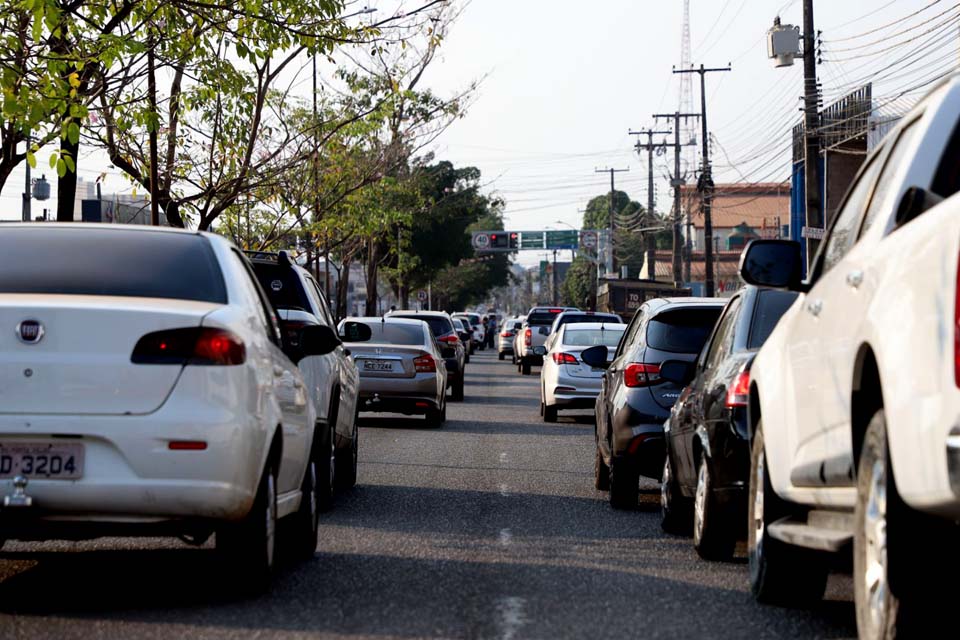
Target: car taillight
[
  {"x": 641, "y": 375},
  {"x": 565, "y": 358},
  {"x": 528, "y": 337},
  {"x": 425, "y": 364},
  {"x": 196, "y": 345},
  {"x": 506, "y": 334},
  {"x": 449, "y": 339},
  {"x": 738, "y": 395}
]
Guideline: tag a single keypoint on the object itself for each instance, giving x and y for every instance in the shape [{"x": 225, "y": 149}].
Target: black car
[
  {"x": 454, "y": 351},
  {"x": 634, "y": 399},
  {"x": 707, "y": 461}
]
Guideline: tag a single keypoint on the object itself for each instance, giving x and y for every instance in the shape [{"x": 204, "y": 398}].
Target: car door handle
[
  {"x": 815, "y": 307},
  {"x": 855, "y": 279},
  {"x": 278, "y": 371}
]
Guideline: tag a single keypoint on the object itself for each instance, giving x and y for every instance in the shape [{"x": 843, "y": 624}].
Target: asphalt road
[{"x": 487, "y": 528}]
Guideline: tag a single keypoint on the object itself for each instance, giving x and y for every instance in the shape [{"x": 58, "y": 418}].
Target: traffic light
[
  {"x": 514, "y": 240},
  {"x": 498, "y": 240}
]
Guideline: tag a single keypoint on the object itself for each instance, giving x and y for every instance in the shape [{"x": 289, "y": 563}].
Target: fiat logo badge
[{"x": 30, "y": 331}]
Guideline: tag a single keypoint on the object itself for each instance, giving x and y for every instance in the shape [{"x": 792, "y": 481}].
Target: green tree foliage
[{"x": 579, "y": 288}]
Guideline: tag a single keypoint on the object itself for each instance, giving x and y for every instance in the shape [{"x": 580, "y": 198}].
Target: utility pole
[
  {"x": 152, "y": 93},
  {"x": 677, "y": 181},
  {"x": 27, "y": 193},
  {"x": 553, "y": 280},
  {"x": 611, "y": 265},
  {"x": 650, "y": 147},
  {"x": 811, "y": 132},
  {"x": 706, "y": 181}
]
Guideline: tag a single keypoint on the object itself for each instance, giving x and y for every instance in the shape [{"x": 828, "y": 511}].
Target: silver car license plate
[
  {"x": 378, "y": 365},
  {"x": 48, "y": 460}
]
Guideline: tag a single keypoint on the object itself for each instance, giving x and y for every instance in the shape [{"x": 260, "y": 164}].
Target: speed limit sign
[
  {"x": 481, "y": 241},
  {"x": 422, "y": 295},
  {"x": 588, "y": 239}
]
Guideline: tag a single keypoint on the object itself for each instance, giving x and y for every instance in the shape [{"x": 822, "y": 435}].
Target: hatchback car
[
  {"x": 634, "y": 399},
  {"x": 566, "y": 382},
  {"x": 454, "y": 351},
  {"x": 508, "y": 331},
  {"x": 401, "y": 368},
  {"x": 148, "y": 391},
  {"x": 707, "y": 462},
  {"x": 332, "y": 379}
]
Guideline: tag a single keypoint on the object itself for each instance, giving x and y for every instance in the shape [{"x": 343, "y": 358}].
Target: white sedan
[
  {"x": 566, "y": 382},
  {"x": 145, "y": 390}
]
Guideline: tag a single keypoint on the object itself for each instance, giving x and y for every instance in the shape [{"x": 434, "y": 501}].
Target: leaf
[
  {"x": 74, "y": 80},
  {"x": 73, "y": 133},
  {"x": 53, "y": 160},
  {"x": 61, "y": 168},
  {"x": 70, "y": 165},
  {"x": 31, "y": 160}
]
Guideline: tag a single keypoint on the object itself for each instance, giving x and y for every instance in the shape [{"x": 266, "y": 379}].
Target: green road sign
[
  {"x": 531, "y": 240},
  {"x": 562, "y": 239}
]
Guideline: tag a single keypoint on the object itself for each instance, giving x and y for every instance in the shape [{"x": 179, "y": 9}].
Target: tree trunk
[
  {"x": 67, "y": 184},
  {"x": 372, "y": 272},
  {"x": 344, "y": 281}
]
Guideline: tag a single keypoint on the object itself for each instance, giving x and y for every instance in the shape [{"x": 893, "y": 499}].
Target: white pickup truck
[{"x": 855, "y": 397}]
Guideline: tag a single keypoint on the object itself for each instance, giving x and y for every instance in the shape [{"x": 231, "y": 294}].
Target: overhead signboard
[
  {"x": 562, "y": 239},
  {"x": 532, "y": 240}
]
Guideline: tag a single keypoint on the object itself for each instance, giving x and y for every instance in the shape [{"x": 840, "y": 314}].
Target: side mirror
[
  {"x": 677, "y": 372},
  {"x": 355, "y": 332},
  {"x": 539, "y": 351},
  {"x": 772, "y": 263},
  {"x": 318, "y": 340},
  {"x": 596, "y": 356},
  {"x": 914, "y": 202}
]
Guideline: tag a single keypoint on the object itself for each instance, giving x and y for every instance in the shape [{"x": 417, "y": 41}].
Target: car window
[
  {"x": 631, "y": 333},
  {"x": 683, "y": 330},
  {"x": 542, "y": 318},
  {"x": 267, "y": 314},
  {"x": 893, "y": 162},
  {"x": 844, "y": 230},
  {"x": 722, "y": 343},
  {"x": 771, "y": 305},
  {"x": 282, "y": 286},
  {"x": 321, "y": 301},
  {"x": 574, "y": 337},
  {"x": 946, "y": 181},
  {"x": 110, "y": 262},
  {"x": 438, "y": 324}
]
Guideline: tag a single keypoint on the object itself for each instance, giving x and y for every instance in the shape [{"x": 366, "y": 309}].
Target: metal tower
[{"x": 688, "y": 133}]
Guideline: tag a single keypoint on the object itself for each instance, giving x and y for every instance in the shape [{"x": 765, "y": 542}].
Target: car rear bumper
[
  {"x": 131, "y": 475},
  {"x": 407, "y": 405},
  {"x": 639, "y": 436},
  {"x": 573, "y": 392}
]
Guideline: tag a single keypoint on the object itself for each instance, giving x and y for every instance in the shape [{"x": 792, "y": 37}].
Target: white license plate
[
  {"x": 49, "y": 460},
  {"x": 377, "y": 365}
]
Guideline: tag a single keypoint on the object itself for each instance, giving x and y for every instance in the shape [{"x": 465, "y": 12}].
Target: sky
[{"x": 563, "y": 82}]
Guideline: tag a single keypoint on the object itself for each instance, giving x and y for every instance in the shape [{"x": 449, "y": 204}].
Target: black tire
[
  {"x": 326, "y": 462},
  {"x": 714, "y": 537},
  {"x": 435, "y": 417},
  {"x": 347, "y": 461},
  {"x": 249, "y": 547},
  {"x": 780, "y": 574},
  {"x": 501, "y": 355},
  {"x": 303, "y": 526},
  {"x": 909, "y": 606},
  {"x": 676, "y": 510},
  {"x": 624, "y": 484},
  {"x": 549, "y": 413},
  {"x": 466, "y": 358},
  {"x": 601, "y": 473},
  {"x": 525, "y": 368},
  {"x": 458, "y": 388}
]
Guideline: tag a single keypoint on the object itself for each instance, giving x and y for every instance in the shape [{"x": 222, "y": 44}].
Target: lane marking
[
  {"x": 511, "y": 616},
  {"x": 504, "y": 490},
  {"x": 506, "y": 538},
  {"x": 503, "y": 457}
]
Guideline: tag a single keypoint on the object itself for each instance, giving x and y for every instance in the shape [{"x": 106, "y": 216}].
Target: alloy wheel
[
  {"x": 700, "y": 500},
  {"x": 875, "y": 550}
]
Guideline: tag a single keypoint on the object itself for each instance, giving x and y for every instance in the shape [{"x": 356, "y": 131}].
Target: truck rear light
[
  {"x": 738, "y": 395},
  {"x": 565, "y": 358},
  {"x": 528, "y": 337},
  {"x": 641, "y": 375},
  {"x": 195, "y": 345},
  {"x": 425, "y": 364}
]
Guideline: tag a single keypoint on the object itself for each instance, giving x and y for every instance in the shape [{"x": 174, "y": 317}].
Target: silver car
[
  {"x": 508, "y": 331},
  {"x": 566, "y": 382},
  {"x": 401, "y": 369}
]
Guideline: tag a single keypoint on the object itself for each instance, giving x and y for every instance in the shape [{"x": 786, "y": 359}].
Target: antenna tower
[{"x": 688, "y": 132}]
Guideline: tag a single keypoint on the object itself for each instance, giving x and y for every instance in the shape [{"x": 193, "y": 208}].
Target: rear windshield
[
  {"x": 109, "y": 262},
  {"x": 474, "y": 319},
  {"x": 438, "y": 324},
  {"x": 542, "y": 318},
  {"x": 593, "y": 337},
  {"x": 682, "y": 330},
  {"x": 282, "y": 286},
  {"x": 393, "y": 333},
  {"x": 771, "y": 305},
  {"x": 601, "y": 317}
]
